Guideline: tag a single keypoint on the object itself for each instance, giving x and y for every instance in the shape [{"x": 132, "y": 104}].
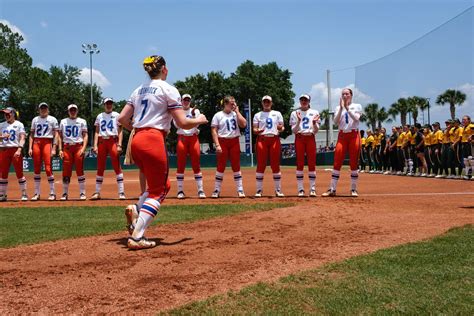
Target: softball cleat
[
  {"x": 215, "y": 194},
  {"x": 142, "y": 243},
  {"x": 52, "y": 197},
  {"x": 64, "y": 197},
  {"x": 95, "y": 196},
  {"x": 122, "y": 196},
  {"x": 201, "y": 195},
  {"x": 258, "y": 194},
  {"x": 312, "y": 193},
  {"x": 181, "y": 195},
  {"x": 35, "y": 198},
  {"x": 329, "y": 193},
  {"x": 24, "y": 197},
  {"x": 240, "y": 194},
  {"x": 301, "y": 193},
  {"x": 354, "y": 193},
  {"x": 278, "y": 193},
  {"x": 82, "y": 197}
]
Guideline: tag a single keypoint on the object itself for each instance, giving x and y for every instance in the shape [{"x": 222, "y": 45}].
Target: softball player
[
  {"x": 267, "y": 124},
  {"x": 362, "y": 157},
  {"x": 369, "y": 143},
  {"x": 152, "y": 106},
  {"x": 304, "y": 123},
  {"x": 225, "y": 133},
  {"x": 347, "y": 118},
  {"x": 392, "y": 150},
  {"x": 42, "y": 146},
  {"x": 12, "y": 140},
  {"x": 402, "y": 160},
  {"x": 446, "y": 155},
  {"x": 188, "y": 144},
  {"x": 468, "y": 160},
  {"x": 455, "y": 134},
  {"x": 72, "y": 145},
  {"x": 419, "y": 148},
  {"x": 436, "y": 142},
  {"x": 108, "y": 141},
  {"x": 428, "y": 136}
]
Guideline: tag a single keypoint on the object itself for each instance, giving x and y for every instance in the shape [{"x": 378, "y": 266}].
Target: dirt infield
[{"x": 194, "y": 261}]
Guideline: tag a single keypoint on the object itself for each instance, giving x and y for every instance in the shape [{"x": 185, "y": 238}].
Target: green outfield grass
[
  {"x": 37, "y": 224},
  {"x": 429, "y": 277}
]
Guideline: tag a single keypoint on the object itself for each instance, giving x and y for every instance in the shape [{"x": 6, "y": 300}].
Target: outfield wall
[{"x": 207, "y": 161}]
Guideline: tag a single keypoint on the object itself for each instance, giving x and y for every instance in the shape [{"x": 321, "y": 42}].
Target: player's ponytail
[{"x": 153, "y": 65}]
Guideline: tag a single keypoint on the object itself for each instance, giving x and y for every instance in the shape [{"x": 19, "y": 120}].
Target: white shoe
[
  {"x": 3, "y": 198},
  {"x": 142, "y": 243},
  {"x": 258, "y": 194},
  {"x": 439, "y": 176},
  {"x": 215, "y": 194},
  {"x": 278, "y": 193},
  {"x": 52, "y": 197},
  {"x": 361, "y": 171},
  {"x": 35, "y": 197},
  {"x": 201, "y": 195},
  {"x": 457, "y": 177},
  {"x": 64, "y": 197},
  {"x": 95, "y": 196},
  {"x": 423, "y": 175},
  {"x": 450, "y": 177},
  {"x": 82, "y": 197},
  {"x": 301, "y": 193},
  {"x": 312, "y": 193},
  {"x": 386, "y": 172},
  {"x": 131, "y": 214},
  {"x": 122, "y": 196},
  {"x": 371, "y": 171},
  {"x": 354, "y": 193},
  {"x": 240, "y": 194},
  {"x": 24, "y": 197},
  {"x": 181, "y": 195},
  {"x": 329, "y": 193},
  {"x": 399, "y": 173}
]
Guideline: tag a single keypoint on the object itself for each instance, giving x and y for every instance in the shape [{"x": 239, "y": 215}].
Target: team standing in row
[{"x": 426, "y": 151}]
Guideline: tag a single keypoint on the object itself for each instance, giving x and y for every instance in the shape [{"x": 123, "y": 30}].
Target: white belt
[
  {"x": 348, "y": 131},
  {"x": 269, "y": 135}
]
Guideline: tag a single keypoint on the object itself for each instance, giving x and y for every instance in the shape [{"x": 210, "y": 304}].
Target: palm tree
[
  {"x": 416, "y": 103},
  {"x": 453, "y": 97},
  {"x": 324, "y": 114},
  {"x": 382, "y": 116},
  {"x": 402, "y": 108},
  {"x": 370, "y": 115}
]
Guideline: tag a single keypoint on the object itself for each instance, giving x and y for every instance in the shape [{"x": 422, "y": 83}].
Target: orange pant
[
  {"x": 347, "y": 141},
  {"x": 42, "y": 153},
  {"x": 149, "y": 154},
  {"x": 230, "y": 150},
  {"x": 7, "y": 157},
  {"x": 268, "y": 147},
  {"x": 72, "y": 157},
  {"x": 305, "y": 145},
  {"x": 188, "y": 145},
  {"x": 107, "y": 147}
]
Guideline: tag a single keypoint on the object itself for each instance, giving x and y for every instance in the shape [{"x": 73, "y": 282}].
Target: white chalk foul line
[{"x": 417, "y": 194}]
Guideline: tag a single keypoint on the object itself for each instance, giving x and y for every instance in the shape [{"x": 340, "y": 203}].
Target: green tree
[
  {"x": 402, "y": 108},
  {"x": 382, "y": 117},
  {"x": 453, "y": 98},
  {"x": 370, "y": 115}
]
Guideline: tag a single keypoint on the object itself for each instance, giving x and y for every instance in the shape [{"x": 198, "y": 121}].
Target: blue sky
[{"x": 306, "y": 37}]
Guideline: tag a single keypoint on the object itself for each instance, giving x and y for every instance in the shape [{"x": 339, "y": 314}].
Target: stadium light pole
[
  {"x": 329, "y": 129},
  {"x": 90, "y": 49},
  {"x": 428, "y": 100}
]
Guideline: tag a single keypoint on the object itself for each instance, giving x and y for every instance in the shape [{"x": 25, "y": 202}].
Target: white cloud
[
  {"x": 319, "y": 95},
  {"x": 44, "y": 24},
  {"x": 97, "y": 77},
  {"x": 41, "y": 66},
  {"x": 15, "y": 29}
]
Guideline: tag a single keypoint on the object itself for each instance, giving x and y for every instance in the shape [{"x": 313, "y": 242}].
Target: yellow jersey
[
  {"x": 446, "y": 139},
  {"x": 400, "y": 139},
  {"x": 455, "y": 134},
  {"x": 369, "y": 142},
  {"x": 376, "y": 140},
  {"x": 467, "y": 132},
  {"x": 362, "y": 141},
  {"x": 437, "y": 137},
  {"x": 428, "y": 137},
  {"x": 411, "y": 138}
]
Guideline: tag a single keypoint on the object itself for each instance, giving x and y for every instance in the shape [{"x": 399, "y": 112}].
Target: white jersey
[
  {"x": 44, "y": 127},
  {"x": 226, "y": 124},
  {"x": 72, "y": 129},
  {"x": 346, "y": 123},
  {"x": 108, "y": 124},
  {"x": 152, "y": 103},
  {"x": 268, "y": 121},
  {"x": 14, "y": 130},
  {"x": 306, "y": 125},
  {"x": 192, "y": 131}
]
